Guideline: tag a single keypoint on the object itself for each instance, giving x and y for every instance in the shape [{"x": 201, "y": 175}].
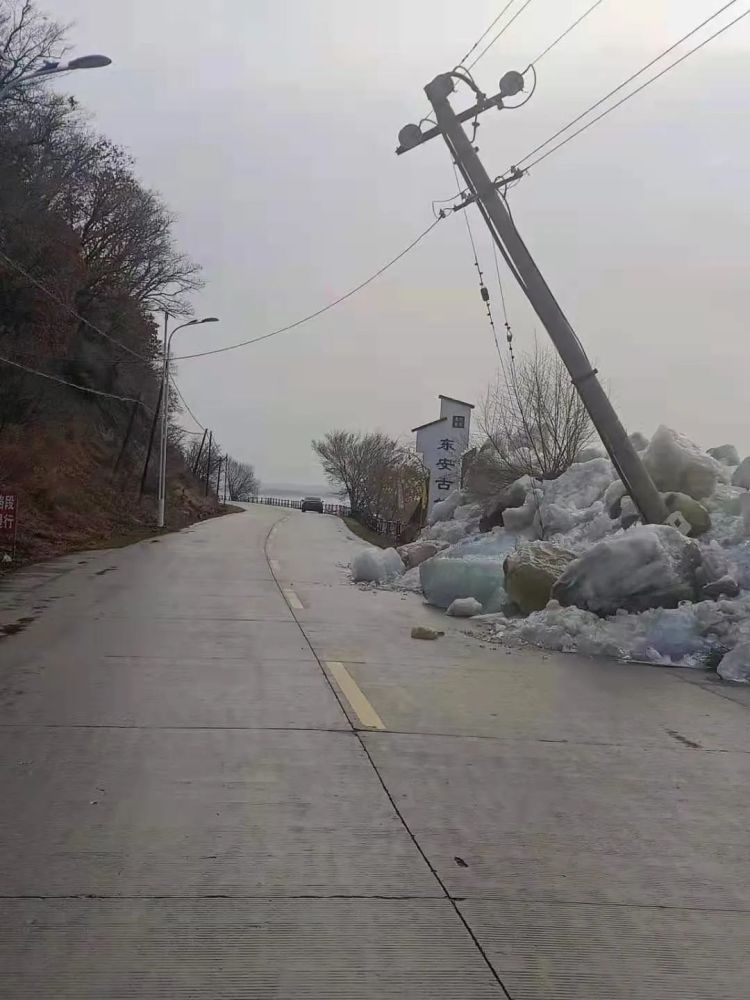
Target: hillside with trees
[{"x": 87, "y": 256}]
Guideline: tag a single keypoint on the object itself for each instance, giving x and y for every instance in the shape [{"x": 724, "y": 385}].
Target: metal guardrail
[
  {"x": 379, "y": 525},
  {"x": 276, "y": 502},
  {"x": 336, "y": 509}
]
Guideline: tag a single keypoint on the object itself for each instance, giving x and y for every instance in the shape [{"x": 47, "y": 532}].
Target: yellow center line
[
  {"x": 292, "y": 600},
  {"x": 353, "y": 694}
]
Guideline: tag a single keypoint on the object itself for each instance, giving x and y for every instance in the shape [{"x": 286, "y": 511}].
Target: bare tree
[
  {"x": 339, "y": 455},
  {"x": 398, "y": 480},
  {"x": 534, "y": 422},
  {"x": 125, "y": 235},
  {"x": 374, "y": 472},
  {"x": 78, "y": 234},
  {"x": 241, "y": 479},
  {"x": 27, "y": 37},
  {"x": 86, "y": 253},
  {"x": 197, "y": 458}
]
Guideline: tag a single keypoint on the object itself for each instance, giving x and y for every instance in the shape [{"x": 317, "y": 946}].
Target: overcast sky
[{"x": 270, "y": 130}]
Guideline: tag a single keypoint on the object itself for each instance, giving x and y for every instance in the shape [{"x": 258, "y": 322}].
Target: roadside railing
[
  {"x": 336, "y": 509},
  {"x": 376, "y": 524},
  {"x": 379, "y": 525},
  {"x": 276, "y": 502}
]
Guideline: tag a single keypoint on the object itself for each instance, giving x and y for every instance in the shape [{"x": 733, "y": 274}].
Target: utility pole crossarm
[{"x": 495, "y": 212}]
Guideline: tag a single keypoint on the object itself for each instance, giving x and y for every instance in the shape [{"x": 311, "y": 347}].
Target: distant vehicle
[{"x": 312, "y": 503}]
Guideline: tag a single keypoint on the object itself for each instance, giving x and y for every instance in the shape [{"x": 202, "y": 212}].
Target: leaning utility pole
[{"x": 495, "y": 212}]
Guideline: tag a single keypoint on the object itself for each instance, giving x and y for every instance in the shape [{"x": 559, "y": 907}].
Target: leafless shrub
[
  {"x": 26, "y": 37},
  {"x": 241, "y": 479},
  {"x": 374, "y": 472},
  {"x": 534, "y": 422},
  {"x": 200, "y": 461}
]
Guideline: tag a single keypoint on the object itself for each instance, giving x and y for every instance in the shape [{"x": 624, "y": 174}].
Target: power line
[
  {"x": 55, "y": 298},
  {"x": 506, "y": 321},
  {"x": 185, "y": 404},
  {"x": 566, "y": 32},
  {"x": 486, "y": 32},
  {"x": 73, "y": 385},
  {"x": 501, "y": 32},
  {"x": 483, "y": 290},
  {"x": 444, "y": 201},
  {"x": 324, "y": 309},
  {"x": 637, "y": 90},
  {"x": 468, "y": 226},
  {"x": 624, "y": 83}
]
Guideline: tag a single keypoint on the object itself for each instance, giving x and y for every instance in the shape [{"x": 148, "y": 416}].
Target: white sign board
[{"x": 441, "y": 443}]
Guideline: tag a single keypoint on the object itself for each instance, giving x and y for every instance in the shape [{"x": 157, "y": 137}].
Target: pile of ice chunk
[
  {"x": 690, "y": 635},
  {"x": 373, "y": 565},
  {"x": 445, "y": 579},
  {"x": 735, "y": 665},
  {"x": 652, "y": 565},
  {"x": 473, "y": 567},
  {"x": 632, "y": 591},
  {"x": 444, "y": 510},
  {"x": 677, "y": 464}
]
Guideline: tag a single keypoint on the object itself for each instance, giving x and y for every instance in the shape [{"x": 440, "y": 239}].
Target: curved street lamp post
[
  {"x": 162, "y": 492},
  {"x": 52, "y": 66}
]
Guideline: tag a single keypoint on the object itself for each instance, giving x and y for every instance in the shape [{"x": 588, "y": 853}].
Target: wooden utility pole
[
  {"x": 154, "y": 422},
  {"x": 128, "y": 432},
  {"x": 196, "y": 463},
  {"x": 495, "y": 212}
]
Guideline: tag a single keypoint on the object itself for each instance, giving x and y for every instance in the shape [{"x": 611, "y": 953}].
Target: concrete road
[{"x": 227, "y": 773}]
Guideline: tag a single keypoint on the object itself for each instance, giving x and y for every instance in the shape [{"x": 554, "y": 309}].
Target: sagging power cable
[
  {"x": 73, "y": 312},
  {"x": 185, "y": 403},
  {"x": 483, "y": 290},
  {"x": 73, "y": 385},
  {"x": 323, "y": 309},
  {"x": 564, "y": 34},
  {"x": 499, "y": 35}
]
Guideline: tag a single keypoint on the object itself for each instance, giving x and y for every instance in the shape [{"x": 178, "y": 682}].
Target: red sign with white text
[{"x": 8, "y": 518}]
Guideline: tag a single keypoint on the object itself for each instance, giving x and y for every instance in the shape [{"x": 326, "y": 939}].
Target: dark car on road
[{"x": 312, "y": 503}]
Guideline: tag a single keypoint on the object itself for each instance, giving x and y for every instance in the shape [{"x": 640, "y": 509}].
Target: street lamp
[
  {"x": 162, "y": 492},
  {"x": 52, "y": 66}
]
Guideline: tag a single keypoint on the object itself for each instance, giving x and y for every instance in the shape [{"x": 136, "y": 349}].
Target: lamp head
[{"x": 89, "y": 62}]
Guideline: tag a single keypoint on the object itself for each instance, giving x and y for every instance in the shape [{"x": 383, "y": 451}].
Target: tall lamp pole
[
  {"x": 162, "y": 492},
  {"x": 52, "y": 66}
]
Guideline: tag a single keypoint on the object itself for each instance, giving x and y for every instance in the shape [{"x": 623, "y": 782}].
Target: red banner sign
[{"x": 8, "y": 520}]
